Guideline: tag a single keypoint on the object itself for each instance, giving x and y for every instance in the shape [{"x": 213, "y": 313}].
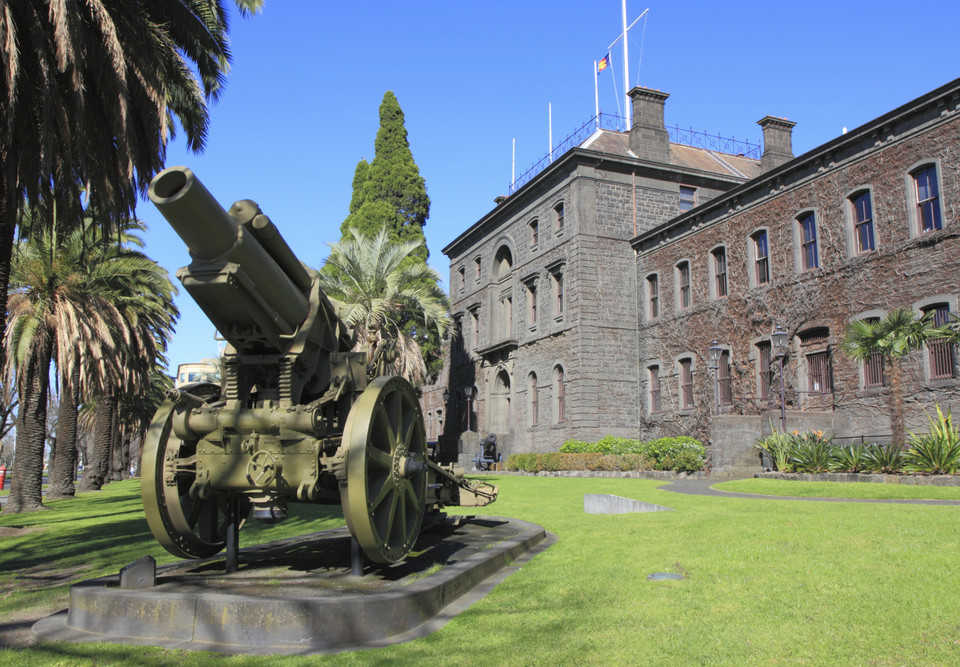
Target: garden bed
[
  {"x": 634, "y": 474},
  {"x": 875, "y": 478}
]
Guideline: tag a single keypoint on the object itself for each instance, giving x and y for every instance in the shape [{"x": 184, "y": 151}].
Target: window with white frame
[
  {"x": 719, "y": 261},
  {"x": 927, "y": 198},
  {"x": 809, "y": 257}
]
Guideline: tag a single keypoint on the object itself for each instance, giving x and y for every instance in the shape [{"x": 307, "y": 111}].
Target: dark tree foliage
[{"x": 390, "y": 191}]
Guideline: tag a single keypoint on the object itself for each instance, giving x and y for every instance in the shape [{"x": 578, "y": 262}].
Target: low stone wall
[
  {"x": 633, "y": 474},
  {"x": 915, "y": 480}
]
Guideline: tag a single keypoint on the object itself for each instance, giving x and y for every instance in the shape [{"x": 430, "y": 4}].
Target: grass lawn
[
  {"x": 766, "y": 581},
  {"x": 789, "y": 487}
]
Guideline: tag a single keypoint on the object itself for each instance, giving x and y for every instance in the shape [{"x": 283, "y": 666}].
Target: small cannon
[
  {"x": 298, "y": 417},
  {"x": 488, "y": 456}
]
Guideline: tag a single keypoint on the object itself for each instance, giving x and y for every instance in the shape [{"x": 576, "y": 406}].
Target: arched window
[
  {"x": 809, "y": 256},
  {"x": 927, "y": 198},
  {"x": 533, "y": 393},
  {"x": 504, "y": 262},
  {"x": 560, "y": 398},
  {"x": 862, "y": 216}
]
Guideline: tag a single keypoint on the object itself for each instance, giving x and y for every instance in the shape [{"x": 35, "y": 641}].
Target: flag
[{"x": 603, "y": 63}]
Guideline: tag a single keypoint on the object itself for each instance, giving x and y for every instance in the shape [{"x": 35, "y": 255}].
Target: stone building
[
  {"x": 543, "y": 288},
  {"x": 848, "y": 231},
  {"x": 585, "y": 302}
]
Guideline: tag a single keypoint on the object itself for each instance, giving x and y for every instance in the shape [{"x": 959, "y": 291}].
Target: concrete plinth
[{"x": 297, "y": 595}]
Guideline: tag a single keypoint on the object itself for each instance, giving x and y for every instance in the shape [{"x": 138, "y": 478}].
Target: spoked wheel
[
  {"x": 384, "y": 496},
  {"x": 185, "y": 527}
]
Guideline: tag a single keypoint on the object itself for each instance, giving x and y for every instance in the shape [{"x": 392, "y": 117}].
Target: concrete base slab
[
  {"x": 604, "y": 503},
  {"x": 297, "y": 596}
]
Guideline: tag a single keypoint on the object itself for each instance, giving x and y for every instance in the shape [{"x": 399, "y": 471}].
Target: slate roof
[{"x": 689, "y": 157}]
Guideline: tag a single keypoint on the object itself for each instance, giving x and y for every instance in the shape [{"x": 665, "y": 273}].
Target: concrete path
[{"x": 704, "y": 487}]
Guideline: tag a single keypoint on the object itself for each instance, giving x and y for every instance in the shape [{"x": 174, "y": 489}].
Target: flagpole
[
  {"x": 626, "y": 67},
  {"x": 550, "y": 124},
  {"x": 596, "y": 93}
]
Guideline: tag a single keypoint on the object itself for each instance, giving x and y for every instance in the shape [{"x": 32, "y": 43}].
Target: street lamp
[
  {"x": 779, "y": 339},
  {"x": 715, "y": 352},
  {"x": 468, "y": 393}
]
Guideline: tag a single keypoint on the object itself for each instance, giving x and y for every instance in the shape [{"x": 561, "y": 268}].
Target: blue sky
[{"x": 300, "y": 106}]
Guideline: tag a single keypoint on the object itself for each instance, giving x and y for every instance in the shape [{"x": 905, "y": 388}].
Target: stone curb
[
  {"x": 617, "y": 474},
  {"x": 913, "y": 480}
]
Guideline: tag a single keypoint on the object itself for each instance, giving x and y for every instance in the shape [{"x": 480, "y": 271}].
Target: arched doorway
[{"x": 500, "y": 419}]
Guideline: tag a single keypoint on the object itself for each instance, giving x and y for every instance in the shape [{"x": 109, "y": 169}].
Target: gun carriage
[{"x": 299, "y": 416}]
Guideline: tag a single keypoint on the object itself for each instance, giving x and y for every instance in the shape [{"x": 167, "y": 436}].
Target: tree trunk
[
  {"x": 64, "y": 466},
  {"x": 898, "y": 429},
  {"x": 25, "y": 491},
  {"x": 95, "y": 474}
]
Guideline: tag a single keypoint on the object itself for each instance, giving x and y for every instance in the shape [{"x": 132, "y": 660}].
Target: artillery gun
[{"x": 299, "y": 416}]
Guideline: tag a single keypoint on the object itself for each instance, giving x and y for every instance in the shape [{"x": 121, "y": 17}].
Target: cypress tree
[{"x": 389, "y": 191}]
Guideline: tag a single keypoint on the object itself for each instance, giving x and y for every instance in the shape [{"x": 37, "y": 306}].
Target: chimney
[
  {"x": 648, "y": 136},
  {"x": 777, "y": 142}
]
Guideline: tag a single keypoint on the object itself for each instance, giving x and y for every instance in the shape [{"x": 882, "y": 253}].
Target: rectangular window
[
  {"x": 683, "y": 284},
  {"x": 928, "y": 199},
  {"x": 688, "y": 198},
  {"x": 765, "y": 368},
  {"x": 819, "y": 377},
  {"x": 686, "y": 384},
  {"x": 558, "y": 293},
  {"x": 808, "y": 242},
  {"x": 532, "y": 304},
  {"x": 873, "y": 371},
  {"x": 863, "y": 222},
  {"x": 475, "y": 321},
  {"x": 558, "y": 210},
  {"x": 653, "y": 295},
  {"x": 720, "y": 272},
  {"x": 654, "y": 377},
  {"x": 941, "y": 351},
  {"x": 761, "y": 254},
  {"x": 724, "y": 379}
]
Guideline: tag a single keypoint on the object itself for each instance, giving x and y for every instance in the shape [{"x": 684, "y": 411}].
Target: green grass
[
  {"x": 766, "y": 581},
  {"x": 785, "y": 487}
]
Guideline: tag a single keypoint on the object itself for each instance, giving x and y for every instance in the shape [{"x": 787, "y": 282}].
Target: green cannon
[{"x": 299, "y": 415}]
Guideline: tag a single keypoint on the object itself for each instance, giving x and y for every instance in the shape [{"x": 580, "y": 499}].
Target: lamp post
[
  {"x": 468, "y": 393},
  {"x": 715, "y": 352},
  {"x": 779, "y": 340}
]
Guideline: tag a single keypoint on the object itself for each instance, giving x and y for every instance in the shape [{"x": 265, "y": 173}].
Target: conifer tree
[{"x": 390, "y": 192}]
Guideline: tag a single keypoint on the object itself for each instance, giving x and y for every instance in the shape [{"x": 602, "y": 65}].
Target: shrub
[
  {"x": 683, "y": 454},
  {"x": 936, "y": 452},
  {"x": 883, "y": 458},
  {"x": 851, "y": 458},
  {"x": 668, "y": 453},
  {"x": 577, "y": 447},
  {"x": 524, "y": 462},
  {"x": 811, "y": 452},
  {"x": 779, "y": 447}
]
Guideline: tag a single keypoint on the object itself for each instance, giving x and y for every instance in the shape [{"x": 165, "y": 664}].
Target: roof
[{"x": 681, "y": 156}]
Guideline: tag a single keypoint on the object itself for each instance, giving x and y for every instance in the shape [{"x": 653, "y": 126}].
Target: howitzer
[{"x": 299, "y": 416}]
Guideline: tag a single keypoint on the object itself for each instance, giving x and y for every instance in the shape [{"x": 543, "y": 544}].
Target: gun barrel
[
  {"x": 185, "y": 202},
  {"x": 241, "y": 287}
]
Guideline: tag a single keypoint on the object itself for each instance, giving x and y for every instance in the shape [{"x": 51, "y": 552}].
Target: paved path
[{"x": 704, "y": 487}]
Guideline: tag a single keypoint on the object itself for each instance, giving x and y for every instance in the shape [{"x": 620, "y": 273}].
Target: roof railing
[{"x": 610, "y": 122}]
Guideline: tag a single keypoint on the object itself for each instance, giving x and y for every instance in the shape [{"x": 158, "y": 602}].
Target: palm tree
[
  {"x": 379, "y": 291},
  {"x": 89, "y": 306},
  {"x": 891, "y": 338},
  {"x": 89, "y": 92}
]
